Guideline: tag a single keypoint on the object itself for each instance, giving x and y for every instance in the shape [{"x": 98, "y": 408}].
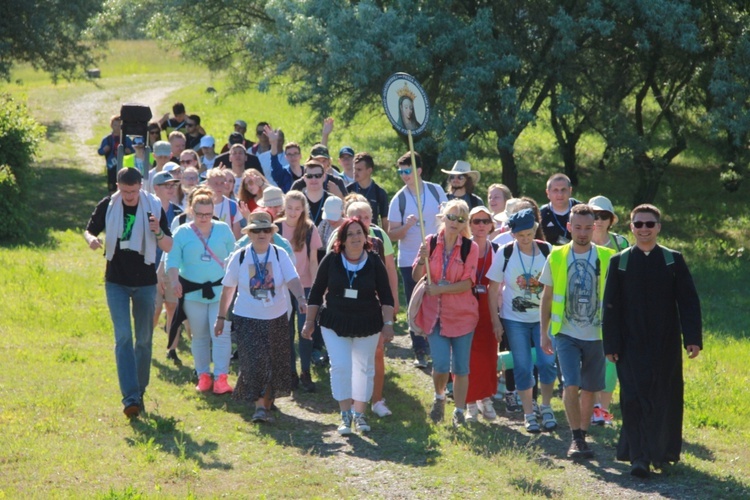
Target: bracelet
[
  {"x": 387, "y": 323},
  {"x": 221, "y": 318}
]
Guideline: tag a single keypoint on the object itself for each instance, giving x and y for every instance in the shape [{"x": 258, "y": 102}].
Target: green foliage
[
  {"x": 20, "y": 135},
  {"x": 47, "y": 34}
]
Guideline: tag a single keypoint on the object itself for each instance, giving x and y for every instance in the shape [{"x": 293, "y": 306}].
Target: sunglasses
[
  {"x": 453, "y": 218},
  {"x": 266, "y": 230},
  {"x": 404, "y": 171},
  {"x": 649, "y": 224},
  {"x": 460, "y": 177},
  {"x": 259, "y": 132},
  {"x": 154, "y": 132},
  {"x": 486, "y": 222},
  {"x": 602, "y": 216},
  {"x": 188, "y": 124},
  {"x": 313, "y": 176}
]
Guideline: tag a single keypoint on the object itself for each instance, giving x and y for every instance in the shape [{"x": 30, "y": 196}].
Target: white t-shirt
[
  {"x": 581, "y": 319},
  {"x": 521, "y": 289},
  {"x": 224, "y": 211},
  {"x": 408, "y": 246},
  {"x": 503, "y": 238},
  {"x": 255, "y": 299}
]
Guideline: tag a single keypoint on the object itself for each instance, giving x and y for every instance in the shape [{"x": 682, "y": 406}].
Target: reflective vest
[{"x": 558, "y": 263}]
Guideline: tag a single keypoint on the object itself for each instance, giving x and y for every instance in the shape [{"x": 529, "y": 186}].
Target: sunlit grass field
[{"x": 62, "y": 433}]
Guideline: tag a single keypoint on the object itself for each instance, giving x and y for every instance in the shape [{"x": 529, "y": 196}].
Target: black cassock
[{"x": 651, "y": 310}]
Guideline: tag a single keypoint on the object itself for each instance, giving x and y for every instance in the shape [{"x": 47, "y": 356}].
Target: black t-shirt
[
  {"x": 193, "y": 142},
  {"x": 376, "y": 196},
  {"x": 251, "y": 161},
  {"x": 127, "y": 267},
  {"x": 554, "y": 226},
  {"x": 316, "y": 208},
  {"x": 471, "y": 199},
  {"x": 300, "y": 184},
  {"x": 173, "y": 124}
]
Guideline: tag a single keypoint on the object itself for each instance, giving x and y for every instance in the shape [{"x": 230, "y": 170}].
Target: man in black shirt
[
  {"x": 135, "y": 224},
  {"x": 556, "y": 213},
  {"x": 365, "y": 185}
]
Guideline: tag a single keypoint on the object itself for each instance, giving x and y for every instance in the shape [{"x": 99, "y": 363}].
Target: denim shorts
[
  {"x": 450, "y": 354},
  {"x": 581, "y": 362}
]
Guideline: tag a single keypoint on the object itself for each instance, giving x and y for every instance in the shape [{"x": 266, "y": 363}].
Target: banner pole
[{"x": 418, "y": 199}]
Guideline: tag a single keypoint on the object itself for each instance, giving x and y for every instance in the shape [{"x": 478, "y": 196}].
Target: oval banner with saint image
[{"x": 406, "y": 104}]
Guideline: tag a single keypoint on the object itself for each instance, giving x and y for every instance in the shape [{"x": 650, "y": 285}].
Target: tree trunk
[
  {"x": 510, "y": 169},
  {"x": 650, "y": 172},
  {"x": 568, "y": 151}
]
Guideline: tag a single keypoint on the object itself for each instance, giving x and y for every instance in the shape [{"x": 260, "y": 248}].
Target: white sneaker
[
  {"x": 380, "y": 409},
  {"x": 487, "y": 408},
  {"x": 472, "y": 413}
]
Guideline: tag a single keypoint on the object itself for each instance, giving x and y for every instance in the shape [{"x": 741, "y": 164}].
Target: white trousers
[
  {"x": 352, "y": 365},
  {"x": 205, "y": 345}
]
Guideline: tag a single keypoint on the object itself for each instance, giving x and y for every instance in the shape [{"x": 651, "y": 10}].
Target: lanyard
[
  {"x": 421, "y": 197},
  {"x": 260, "y": 272},
  {"x": 447, "y": 257},
  {"x": 480, "y": 273},
  {"x": 557, "y": 222},
  {"x": 206, "y": 249},
  {"x": 320, "y": 207},
  {"x": 358, "y": 189},
  {"x": 527, "y": 275},
  {"x": 350, "y": 275},
  {"x": 221, "y": 212},
  {"x": 582, "y": 278}
]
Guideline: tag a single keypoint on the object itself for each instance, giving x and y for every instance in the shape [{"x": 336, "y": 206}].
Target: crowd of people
[{"x": 504, "y": 299}]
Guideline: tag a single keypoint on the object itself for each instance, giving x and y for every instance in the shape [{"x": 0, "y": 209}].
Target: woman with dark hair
[{"x": 353, "y": 283}]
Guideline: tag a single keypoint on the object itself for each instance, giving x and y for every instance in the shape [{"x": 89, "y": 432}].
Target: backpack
[
  {"x": 668, "y": 258},
  {"x": 465, "y": 247},
  {"x": 618, "y": 242},
  {"x": 308, "y": 237},
  {"x": 242, "y": 253},
  {"x": 402, "y": 198},
  {"x": 508, "y": 251}
]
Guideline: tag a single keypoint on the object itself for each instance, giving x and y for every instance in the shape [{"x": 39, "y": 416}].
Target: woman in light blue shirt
[{"x": 195, "y": 267}]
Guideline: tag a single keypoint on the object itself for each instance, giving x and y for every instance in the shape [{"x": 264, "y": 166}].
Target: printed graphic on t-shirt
[
  {"x": 262, "y": 287},
  {"x": 531, "y": 288},
  {"x": 582, "y": 302},
  {"x": 127, "y": 230}
]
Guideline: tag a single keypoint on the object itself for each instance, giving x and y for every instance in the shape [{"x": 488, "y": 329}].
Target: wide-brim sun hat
[
  {"x": 463, "y": 168},
  {"x": 272, "y": 197},
  {"x": 511, "y": 207},
  {"x": 259, "y": 219},
  {"x": 602, "y": 204}
]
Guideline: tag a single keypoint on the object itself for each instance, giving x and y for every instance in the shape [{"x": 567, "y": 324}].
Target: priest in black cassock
[{"x": 651, "y": 310}]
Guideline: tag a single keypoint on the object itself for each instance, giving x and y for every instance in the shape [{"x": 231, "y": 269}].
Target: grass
[{"x": 63, "y": 434}]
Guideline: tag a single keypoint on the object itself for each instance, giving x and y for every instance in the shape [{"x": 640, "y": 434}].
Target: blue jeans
[
  {"x": 418, "y": 343},
  {"x": 521, "y": 337},
  {"x": 133, "y": 364},
  {"x": 305, "y": 345}
]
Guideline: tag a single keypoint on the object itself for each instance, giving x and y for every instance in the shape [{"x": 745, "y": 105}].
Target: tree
[{"x": 46, "y": 34}]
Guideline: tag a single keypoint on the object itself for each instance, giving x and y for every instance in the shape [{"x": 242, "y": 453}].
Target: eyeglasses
[
  {"x": 404, "y": 171},
  {"x": 649, "y": 224},
  {"x": 453, "y": 218},
  {"x": 154, "y": 132},
  {"x": 486, "y": 222},
  {"x": 292, "y": 154},
  {"x": 203, "y": 215},
  {"x": 602, "y": 216},
  {"x": 313, "y": 176},
  {"x": 266, "y": 230},
  {"x": 189, "y": 177},
  {"x": 460, "y": 177}
]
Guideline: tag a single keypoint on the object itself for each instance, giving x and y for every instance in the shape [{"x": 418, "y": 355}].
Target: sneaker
[
  {"x": 511, "y": 405},
  {"x": 548, "y": 418},
  {"x": 305, "y": 380},
  {"x": 535, "y": 408},
  {"x": 531, "y": 424},
  {"x": 597, "y": 418},
  {"x": 472, "y": 413},
  {"x": 204, "y": 382},
  {"x": 346, "y": 423},
  {"x": 487, "y": 409},
  {"x": 608, "y": 417},
  {"x": 459, "y": 418},
  {"x": 172, "y": 356},
  {"x": 360, "y": 423},
  {"x": 380, "y": 409},
  {"x": 437, "y": 412},
  {"x": 260, "y": 415},
  {"x": 579, "y": 449},
  {"x": 420, "y": 360},
  {"x": 221, "y": 386},
  {"x": 132, "y": 410}
]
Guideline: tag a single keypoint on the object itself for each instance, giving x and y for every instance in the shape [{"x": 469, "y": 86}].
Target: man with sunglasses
[
  {"x": 193, "y": 132},
  {"x": 651, "y": 311},
  {"x": 461, "y": 183},
  {"x": 403, "y": 224},
  {"x": 331, "y": 182}
]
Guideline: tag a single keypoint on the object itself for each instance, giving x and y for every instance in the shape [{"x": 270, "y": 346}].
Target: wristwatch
[{"x": 388, "y": 323}]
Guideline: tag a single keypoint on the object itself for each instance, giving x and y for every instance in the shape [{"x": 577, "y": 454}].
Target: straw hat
[{"x": 463, "y": 168}]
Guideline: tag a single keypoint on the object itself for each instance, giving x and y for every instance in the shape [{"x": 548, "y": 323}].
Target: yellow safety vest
[{"x": 558, "y": 263}]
